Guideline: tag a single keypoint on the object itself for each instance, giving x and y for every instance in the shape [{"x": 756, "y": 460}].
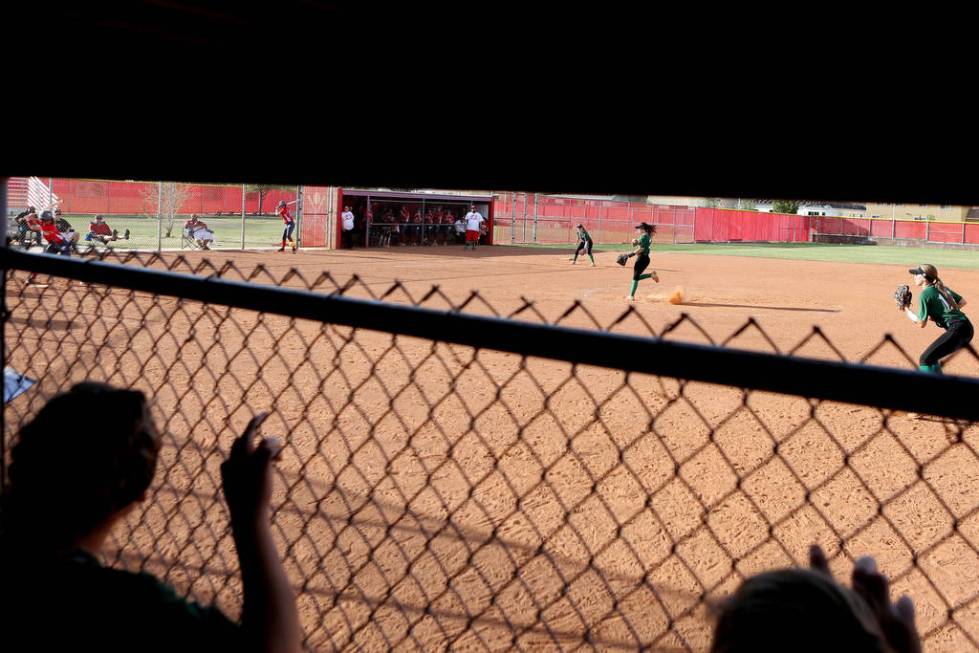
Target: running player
[
  {"x": 943, "y": 305},
  {"x": 642, "y": 243},
  {"x": 584, "y": 243},
  {"x": 290, "y": 225}
]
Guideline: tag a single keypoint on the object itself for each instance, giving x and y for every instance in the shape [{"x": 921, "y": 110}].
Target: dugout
[{"x": 379, "y": 217}]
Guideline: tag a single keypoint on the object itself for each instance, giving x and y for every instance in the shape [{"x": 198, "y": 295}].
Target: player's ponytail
[{"x": 940, "y": 287}]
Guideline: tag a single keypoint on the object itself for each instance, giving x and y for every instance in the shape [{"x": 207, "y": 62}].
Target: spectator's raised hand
[
  {"x": 246, "y": 474},
  {"x": 896, "y": 619}
]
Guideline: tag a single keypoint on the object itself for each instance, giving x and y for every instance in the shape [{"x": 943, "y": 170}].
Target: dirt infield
[{"x": 432, "y": 497}]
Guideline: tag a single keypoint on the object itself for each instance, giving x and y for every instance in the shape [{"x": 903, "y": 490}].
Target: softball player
[
  {"x": 943, "y": 305},
  {"x": 642, "y": 243},
  {"x": 290, "y": 225},
  {"x": 584, "y": 243}
]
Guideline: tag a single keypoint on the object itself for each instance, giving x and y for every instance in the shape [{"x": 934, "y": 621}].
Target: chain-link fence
[{"x": 456, "y": 479}]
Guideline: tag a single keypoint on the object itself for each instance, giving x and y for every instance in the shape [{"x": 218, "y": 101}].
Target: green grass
[
  {"x": 872, "y": 254},
  {"x": 259, "y": 232}
]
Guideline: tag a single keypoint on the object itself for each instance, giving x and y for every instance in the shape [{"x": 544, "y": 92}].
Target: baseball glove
[
  {"x": 902, "y": 296},
  {"x": 621, "y": 259}
]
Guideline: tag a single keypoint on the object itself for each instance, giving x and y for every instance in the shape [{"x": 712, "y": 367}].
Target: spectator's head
[
  {"x": 796, "y": 610},
  {"x": 71, "y": 477},
  {"x": 99, "y": 218},
  {"x": 46, "y": 216},
  {"x": 282, "y": 204},
  {"x": 32, "y": 209},
  {"x": 57, "y": 212}
]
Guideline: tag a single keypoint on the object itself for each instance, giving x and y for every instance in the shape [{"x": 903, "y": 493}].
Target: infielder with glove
[
  {"x": 642, "y": 243},
  {"x": 943, "y": 305},
  {"x": 584, "y": 243}
]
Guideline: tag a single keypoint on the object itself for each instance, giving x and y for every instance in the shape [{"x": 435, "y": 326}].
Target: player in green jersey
[
  {"x": 944, "y": 307},
  {"x": 642, "y": 243},
  {"x": 584, "y": 243}
]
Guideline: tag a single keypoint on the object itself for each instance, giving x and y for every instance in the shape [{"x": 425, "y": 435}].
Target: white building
[{"x": 836, "y": 209}]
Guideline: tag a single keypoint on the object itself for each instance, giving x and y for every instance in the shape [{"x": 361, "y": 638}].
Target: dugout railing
[{"x": 453, "y": 479}]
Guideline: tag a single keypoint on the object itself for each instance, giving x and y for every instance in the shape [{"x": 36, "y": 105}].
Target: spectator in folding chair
[
  {"x": 66, "y": 230},
  {"x": 70, "y": 485},
  {"x": 58, "y": 242},
  {"x": 31, "y": 229},
  {"x": 99, "y": 231},
  {"x": 24, "y": 234},
  {"x": 197, "y": 233}
]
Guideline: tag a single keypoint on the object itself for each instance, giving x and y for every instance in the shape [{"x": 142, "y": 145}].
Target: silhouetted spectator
[
  {"x": 806, "y": 611},
  {"x": 70, "y": 482}
]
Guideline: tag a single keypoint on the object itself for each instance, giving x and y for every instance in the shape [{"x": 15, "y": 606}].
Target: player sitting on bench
[{"x": 99, "y": 231}]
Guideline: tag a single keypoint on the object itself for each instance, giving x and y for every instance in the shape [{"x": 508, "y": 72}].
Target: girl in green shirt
[
  {"x": 584, "y": 243},
  {"x": 943, "y": 305},
  {"x": 642, "y": 243}
]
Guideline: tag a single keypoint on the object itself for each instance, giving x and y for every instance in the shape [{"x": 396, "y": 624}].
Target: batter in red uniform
[{"x": 290, "y": 225}]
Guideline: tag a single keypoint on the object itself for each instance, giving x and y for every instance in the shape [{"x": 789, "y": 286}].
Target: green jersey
[
  {"x": 583, "y": 235},
  {"x": 931, "y": 304},
  {"x": 644, "y": 242}
]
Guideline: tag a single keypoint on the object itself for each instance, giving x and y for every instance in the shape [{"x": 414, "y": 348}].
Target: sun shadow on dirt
[{"x": 763, "y": 307}]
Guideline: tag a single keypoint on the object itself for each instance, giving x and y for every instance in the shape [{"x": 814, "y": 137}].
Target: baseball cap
[{"x": 929, "y": 271}]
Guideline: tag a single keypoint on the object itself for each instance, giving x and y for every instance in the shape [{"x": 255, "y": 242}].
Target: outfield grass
[
  {"x": 874, "y": 254},
  {"x": 259, "y": 232}
]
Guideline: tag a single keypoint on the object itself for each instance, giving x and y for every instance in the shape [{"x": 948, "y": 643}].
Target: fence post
[
  {"x": 3, "y": 340},
  {"x": 299, "y": 216},
  {"x": 630, "y": 214},
  {"x": 525, "y": 217},
  {"x": 963, "y": 232},
  {"x": 159, "y": 218},
  {"x": 536, "y": 203},
  {"x": 513, "y": 218},
  {"x": 893, "y": 229},
  {"x": 243, "y": 216},
  {"x": 51, "y": 193},
  {"x": 927, "y": 229}
]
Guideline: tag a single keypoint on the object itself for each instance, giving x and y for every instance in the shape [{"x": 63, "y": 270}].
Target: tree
[
  {"x": 712, "y": 202},
  {"x": 785, "y": 206},
  {"x": 263, "y": 190},
  {"x": 169, "y": 201}
]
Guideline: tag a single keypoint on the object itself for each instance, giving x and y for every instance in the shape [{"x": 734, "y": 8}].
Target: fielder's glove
[
  {"x": 622, "y": 258},
  {"x": 902, "y": 296}
]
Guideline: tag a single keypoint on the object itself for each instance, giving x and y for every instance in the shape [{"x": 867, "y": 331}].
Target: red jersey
[
  {"x": 286, "y": 216},
  {"x": 51, "y": 233},
  {"x": 100, "y": 228}
]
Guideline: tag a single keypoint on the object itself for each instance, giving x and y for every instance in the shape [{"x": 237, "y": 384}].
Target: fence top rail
[{"x": 883, "y": 387}]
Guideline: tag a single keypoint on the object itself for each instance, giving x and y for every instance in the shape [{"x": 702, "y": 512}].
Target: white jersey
[
  {"x": 473, "y": 220},
  {"x": 348, "y": 220}
]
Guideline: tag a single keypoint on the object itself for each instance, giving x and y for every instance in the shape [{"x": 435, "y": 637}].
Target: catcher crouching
[{"x": 642, "y": 244}]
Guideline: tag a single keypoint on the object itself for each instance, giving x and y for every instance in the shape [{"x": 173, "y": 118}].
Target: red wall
[{"x": 121, "y": 197}]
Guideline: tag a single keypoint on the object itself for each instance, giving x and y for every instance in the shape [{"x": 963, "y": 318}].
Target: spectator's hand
[
  {"x": 246, "y": 476},
  {"x": 896, "y": 620}
]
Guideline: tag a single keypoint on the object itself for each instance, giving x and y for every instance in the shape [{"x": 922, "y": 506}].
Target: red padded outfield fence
[
  {"x": 537, "y": 218},
  {"x": 130, "y": 198}
]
